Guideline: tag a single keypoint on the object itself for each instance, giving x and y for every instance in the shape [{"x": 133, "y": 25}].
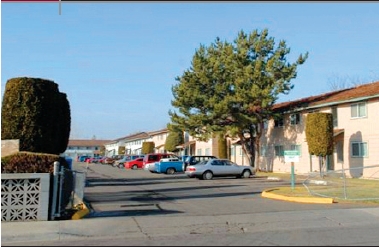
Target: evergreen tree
[
  {"x": 174, "y": 138},
  {"x": 231, "y": 87},
  {"x": 319, "y": 134}
]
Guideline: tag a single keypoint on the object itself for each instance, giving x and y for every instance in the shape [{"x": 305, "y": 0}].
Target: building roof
[
  {"x": 158, "y": 132},
  {"x": 87, "y": 143},
  {"x": 364, "y": 90},
  {"x": 137, "y": 136}
]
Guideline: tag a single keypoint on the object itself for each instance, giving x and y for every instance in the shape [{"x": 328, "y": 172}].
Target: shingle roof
[
  {"x": 365, "y": 90},
  {"x": 157, "y": 132}
]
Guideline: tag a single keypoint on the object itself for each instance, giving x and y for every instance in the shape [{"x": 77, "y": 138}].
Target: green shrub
[
  {"x": 36, "y": 113},
  {"x": 29, "y": 162},
  {"x": 319, "y": 133},
  {"x": 222, "y": 147},
  {"x": 174, "y": 139},
  {"x": 121, "y": 150},
  {"x": 148, "y": 147}
]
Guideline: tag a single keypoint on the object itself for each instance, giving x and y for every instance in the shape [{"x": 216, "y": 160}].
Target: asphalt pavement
[
  {"x": 305, "y": 227},
  {"x": 357, "y": 226}
]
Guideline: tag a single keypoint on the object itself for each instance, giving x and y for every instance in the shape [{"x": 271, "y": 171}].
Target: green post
[{"x": 292, "y": 175}]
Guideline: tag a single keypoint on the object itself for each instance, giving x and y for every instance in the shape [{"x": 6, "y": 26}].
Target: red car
[{"x": 134, "y": 164}]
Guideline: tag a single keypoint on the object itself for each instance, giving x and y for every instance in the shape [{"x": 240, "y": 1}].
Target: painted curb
[
  {"x": 268, "y": 194},
  {"x": 83, "y": 211}
]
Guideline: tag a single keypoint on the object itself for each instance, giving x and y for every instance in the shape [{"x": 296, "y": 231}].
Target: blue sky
[{"x": 118, "y": 61}]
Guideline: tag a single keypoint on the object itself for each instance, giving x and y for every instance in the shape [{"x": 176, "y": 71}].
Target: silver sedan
[{"x": 208, "y": 169}]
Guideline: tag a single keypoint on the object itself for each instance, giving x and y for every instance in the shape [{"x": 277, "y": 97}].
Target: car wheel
[
  {"x": 246, "y": 174},
  {"x": 170, "y": 171},
  {"x": 134, "y": 167},
  {"x": 208, "y": 175}
]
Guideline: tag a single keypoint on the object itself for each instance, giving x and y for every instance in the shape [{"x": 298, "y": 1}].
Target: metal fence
[
  {"x": 340, "y": 184},
  {"x": 68, "y": 190}
]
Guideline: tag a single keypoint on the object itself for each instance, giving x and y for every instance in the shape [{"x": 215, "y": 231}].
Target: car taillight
[{"x": 191, "y": 169}]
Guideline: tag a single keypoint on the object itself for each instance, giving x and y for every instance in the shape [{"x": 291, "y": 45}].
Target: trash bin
[{"x": 69, "y": 161}]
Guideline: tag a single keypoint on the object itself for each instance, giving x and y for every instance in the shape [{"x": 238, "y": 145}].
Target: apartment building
[
  {"x": 356, "y": 136},
  {"x": 91, "y": 148}
]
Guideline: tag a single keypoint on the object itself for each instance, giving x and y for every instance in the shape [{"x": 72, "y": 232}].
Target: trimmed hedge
[
  {"x": 36, "y": 113},
  {"x": 319, "y": 133},
  {"x": 148, "y": 147},
  {"x": 222, "y": 147},
  {"x": 29, "y": 162}
]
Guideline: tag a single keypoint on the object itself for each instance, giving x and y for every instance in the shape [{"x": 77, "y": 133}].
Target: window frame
[
  {"x": 358, "y": 111},
  {"x": 362, "y": 149},
  {"x": 281, "y": 151},
  {"x": 295, "y": 119},
  {"x": 279, "y": 123}
]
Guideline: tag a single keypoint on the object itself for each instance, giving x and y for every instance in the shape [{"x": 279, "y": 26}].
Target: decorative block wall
[{"x": 25, "y": 196}]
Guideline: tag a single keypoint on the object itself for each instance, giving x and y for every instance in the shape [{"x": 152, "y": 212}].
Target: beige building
[{"x": 356, "y": 136}]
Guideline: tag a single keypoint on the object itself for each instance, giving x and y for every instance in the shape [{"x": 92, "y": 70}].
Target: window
[
  {"x": 279, "y": 122},
  {"x": 359, "y": 149},
  {"x": 358, "y": 110},
  {"x": 263, "y": 150},
  {"x": 297, "y": 148},
  {"x": 232, "y": 150},
  {"x": 279, "y": 151},
  {"x": 295, "y": 119},
  {"x": 217, "y": 163},
  {"x": 339, "y": 149},
  {"x": 199, "y": 151},
  {"x": 335, "y": 116},
  {"x": 207, "y": 151}
]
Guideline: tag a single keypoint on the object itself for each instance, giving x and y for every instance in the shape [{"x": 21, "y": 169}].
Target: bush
[
  {"x": 36, "y": 113},
  {"x": 148, "y": 147},
  {"x": 29, "y": 162},
  {"x": 319, "y": 133}
]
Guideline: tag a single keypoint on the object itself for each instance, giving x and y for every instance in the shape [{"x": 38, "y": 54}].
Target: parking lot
[{"x": 111, "y": 192}]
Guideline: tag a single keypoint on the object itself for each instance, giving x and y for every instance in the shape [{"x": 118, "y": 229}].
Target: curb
[
  {"x": 268, "y": 194},
  {"x": 83, "y": 211}
]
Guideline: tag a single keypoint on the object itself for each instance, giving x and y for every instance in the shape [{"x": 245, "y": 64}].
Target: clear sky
[{"x": 118, "y": 61}]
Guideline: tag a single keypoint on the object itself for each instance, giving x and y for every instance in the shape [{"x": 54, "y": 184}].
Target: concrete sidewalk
[{"x": 147, "y": 227}]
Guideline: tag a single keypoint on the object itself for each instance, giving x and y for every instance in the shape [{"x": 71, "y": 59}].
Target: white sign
[{"x": 291, "y": 156}]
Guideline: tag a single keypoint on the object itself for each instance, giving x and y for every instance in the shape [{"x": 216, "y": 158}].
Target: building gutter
[{"x": 332, "y": 103}]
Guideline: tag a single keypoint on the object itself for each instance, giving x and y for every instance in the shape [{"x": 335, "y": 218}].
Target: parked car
[
  {"x": 207, "y": 169},
  {"x": 112, "y": 159},
  {"x": 121, "y": 163},
  {"x": 134, "y": 164},
  {"x": 155, "y": 157},
  {"x": 194, "y": 159},
  {"x": 83, "y": 158},
  {"x": 102, "y": 160},
  {"x": 168, "y": 165},
  {"x": 94, "y": 159}
]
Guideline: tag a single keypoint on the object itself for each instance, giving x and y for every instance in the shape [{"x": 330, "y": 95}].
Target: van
[{"x": 155, "y": 157}]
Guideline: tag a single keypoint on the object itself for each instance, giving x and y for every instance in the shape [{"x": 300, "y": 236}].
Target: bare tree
[{"x": 337, "y": 82}]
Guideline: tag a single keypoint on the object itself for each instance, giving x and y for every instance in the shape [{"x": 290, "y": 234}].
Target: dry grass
[{"x": 356, "y": 188}]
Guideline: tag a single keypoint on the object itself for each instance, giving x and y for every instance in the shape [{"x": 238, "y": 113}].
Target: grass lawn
[{"x": 355, "y": 188}]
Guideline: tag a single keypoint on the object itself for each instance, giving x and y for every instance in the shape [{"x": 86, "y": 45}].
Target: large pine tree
[{"x": 231, "y": 88}]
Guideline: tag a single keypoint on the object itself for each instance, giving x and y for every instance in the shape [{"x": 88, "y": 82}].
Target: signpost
[{"x": 292, "y": 156}]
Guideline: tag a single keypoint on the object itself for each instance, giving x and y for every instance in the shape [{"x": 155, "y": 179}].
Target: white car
[{"x": 149, "y": 167}]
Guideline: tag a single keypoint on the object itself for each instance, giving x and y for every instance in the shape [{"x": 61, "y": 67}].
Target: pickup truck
[{"x": 168, "y": 166}]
